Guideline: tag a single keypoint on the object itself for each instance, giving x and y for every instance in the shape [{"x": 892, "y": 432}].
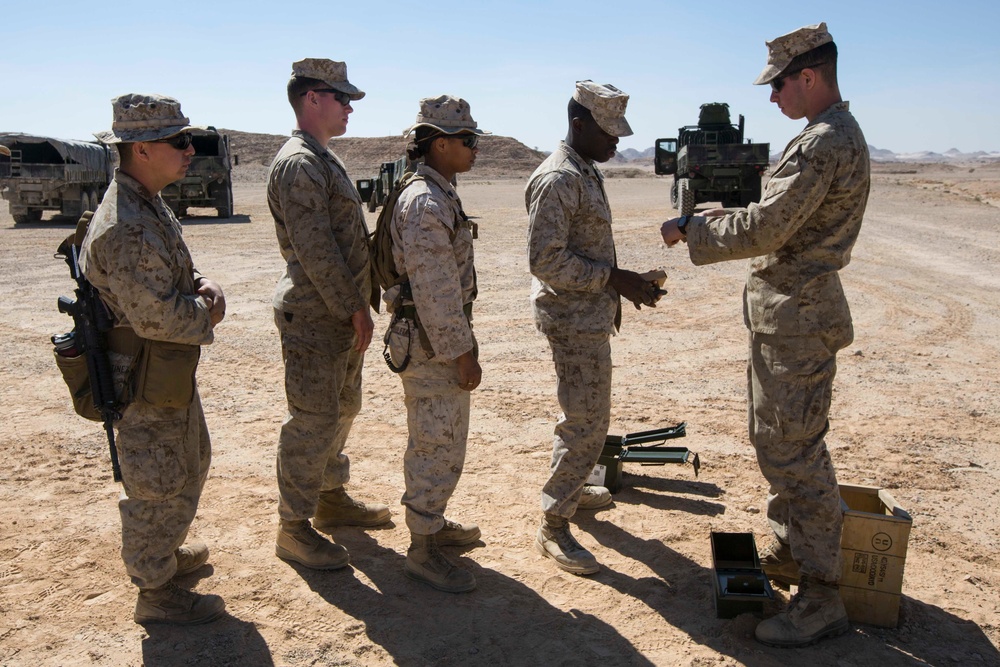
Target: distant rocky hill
[
  {"x": 498, "y": 156},
  {"x": 878, "y": 155}
]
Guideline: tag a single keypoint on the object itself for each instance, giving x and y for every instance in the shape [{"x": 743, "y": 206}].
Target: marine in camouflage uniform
[
  {"x": 800, "y": 235},
  {"x": 135, "y": 256},
  {"x": 575, "y": 298},
  {"x": 430, "y": 335},
  {"x": 321, "y": 312}
]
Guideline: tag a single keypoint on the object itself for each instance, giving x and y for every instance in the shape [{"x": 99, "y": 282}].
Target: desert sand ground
[{"x": 916, "y": 410}]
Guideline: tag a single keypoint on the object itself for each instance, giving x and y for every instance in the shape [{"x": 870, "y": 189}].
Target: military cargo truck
[
  {"x": 374, "y": 191},
  {"x": 46, "y": 174},
  {"x": 710, "y": 162},
  {"x": 209, "y": 182}
]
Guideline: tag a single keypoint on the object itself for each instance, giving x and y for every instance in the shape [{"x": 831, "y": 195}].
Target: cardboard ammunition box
[
  {"x": 873, "y": 546},
  {"x": 740, "y": 583}
]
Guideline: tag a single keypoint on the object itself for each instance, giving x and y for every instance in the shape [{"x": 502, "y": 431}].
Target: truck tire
[
  {"x": 84, "y": 202},
  {"x": 685, "y": 197},
  {"x": 31, "y": 215},
  {"x": 673, "y": 195},
  {"x": 95, "y": 200},
  {"x": 372, "y": 205},
  {"x": 226, "y": 210}
]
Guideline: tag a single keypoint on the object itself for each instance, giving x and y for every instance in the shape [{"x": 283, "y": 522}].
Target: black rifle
[{"x": 91, "y": 324}]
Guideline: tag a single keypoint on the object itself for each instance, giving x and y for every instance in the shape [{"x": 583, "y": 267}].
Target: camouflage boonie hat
[
  {"x": 447, "y": 114},
  {"x": 607, "y": 105},
  {"x": 330, "y": 72},
  {"x": 782, "y": 50},
  {"x": 144, "y": 118}
]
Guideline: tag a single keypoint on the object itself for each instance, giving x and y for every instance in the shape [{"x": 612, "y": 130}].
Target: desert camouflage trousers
[
  {"x": 164, "y": 454},
  {"x": 323, "y": 391},
  {"x": 437, "y": 421},
  {"x": 789, "y": 386},
  {"x": 583, "y": 385}
]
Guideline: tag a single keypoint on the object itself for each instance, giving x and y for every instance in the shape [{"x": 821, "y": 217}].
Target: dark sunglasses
[
  {"x": 178, "y": 141},
  {"x": 469, "y": 140},
  {"x": 779, "y": 83},
  {"x": 342, "y": 98}
]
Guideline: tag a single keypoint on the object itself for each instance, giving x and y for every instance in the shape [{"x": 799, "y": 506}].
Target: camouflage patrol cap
[
  {"x": 607, "y": 104},
  {"x": 447, "y": 114},
  {"x": 144, "y": 118},
  {"x": 4, "y": 150},
  {"x": 782, "y": 50},
  {"x": 330, "y": 72}
]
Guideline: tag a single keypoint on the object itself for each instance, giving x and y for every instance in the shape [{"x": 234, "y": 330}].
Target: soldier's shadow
[
  {"x": 670, "y": 494},
  {"x": 226, "y": 641},
  {"x": 502, "y": 622},
  {"x": 683, "y": 593}
]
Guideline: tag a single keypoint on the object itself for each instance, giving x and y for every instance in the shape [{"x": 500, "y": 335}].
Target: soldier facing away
[
  {"x": 800, "y": 235},
  {"x": 163, "y": 310},
  {"x": 430, "y": 336},
  {"x": 575, "y": 296},
  {"x": 322, "y": 314}
]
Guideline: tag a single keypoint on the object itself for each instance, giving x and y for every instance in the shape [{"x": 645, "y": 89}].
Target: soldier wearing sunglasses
[
  {"x": 322, "y": 314},
  {"x": 430, "y": 336},
  {"x": 800, "y": 235},
  {"x": 133, "y": 253}
]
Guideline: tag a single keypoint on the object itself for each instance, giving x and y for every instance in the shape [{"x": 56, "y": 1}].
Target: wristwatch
[{"x": 682, "y": 224}]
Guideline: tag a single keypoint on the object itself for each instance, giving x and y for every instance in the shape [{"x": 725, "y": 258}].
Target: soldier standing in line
[
  {"x": 163, "y": 310},
  {"x": 322, "y": 314},
  {"x": 801, "y": 234},
  {"x": 575, "y": 298},
  {"x": 430, "y": 335}
]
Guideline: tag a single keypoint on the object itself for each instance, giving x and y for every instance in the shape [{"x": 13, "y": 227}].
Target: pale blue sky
[{"x": 920, "y": 75}]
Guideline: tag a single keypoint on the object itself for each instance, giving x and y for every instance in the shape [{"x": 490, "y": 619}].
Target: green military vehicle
[
  {"x": 209, "y": 182},
  {"x": 374, "y": 191},
  {"x": 46, "y": 174},
  {"x": 710, "y": 162}
]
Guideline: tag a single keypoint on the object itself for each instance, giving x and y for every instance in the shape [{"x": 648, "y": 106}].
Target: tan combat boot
[
  {"x": 594, "y": 498},
  {"x": 455, "y": 534},
  {"x": 556, "y": 542},
  {"x": 777, "y": 562},
  {"x": 170, "y": 604},
  {"x": 300, "y": 543},
  {"x": 426, "y": 563},
  {"x": 336, "y": 508},
  {"x": 190, "y": 557},
  {"x": 815, "y": 612}
]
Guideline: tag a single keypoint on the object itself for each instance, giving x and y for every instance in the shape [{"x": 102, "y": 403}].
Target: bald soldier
[
  {"x": 164, "y": 311},
  {"x": 322, "y": 314},
  {"x": 800, "y": 235},
  {"x": 575, "y": 297}
]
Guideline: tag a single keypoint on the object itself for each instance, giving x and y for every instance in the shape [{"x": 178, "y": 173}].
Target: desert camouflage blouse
[
  {"x": 134, "y": 255},
  {"x": 802, "y": 232},
  {"x": 570, "y": 246},
  {"x": 432, "y": 244},
  {"x": 321, "y": 232}
]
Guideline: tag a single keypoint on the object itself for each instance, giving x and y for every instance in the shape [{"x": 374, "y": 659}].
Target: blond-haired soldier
[{"x": 322, "y": 314}]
